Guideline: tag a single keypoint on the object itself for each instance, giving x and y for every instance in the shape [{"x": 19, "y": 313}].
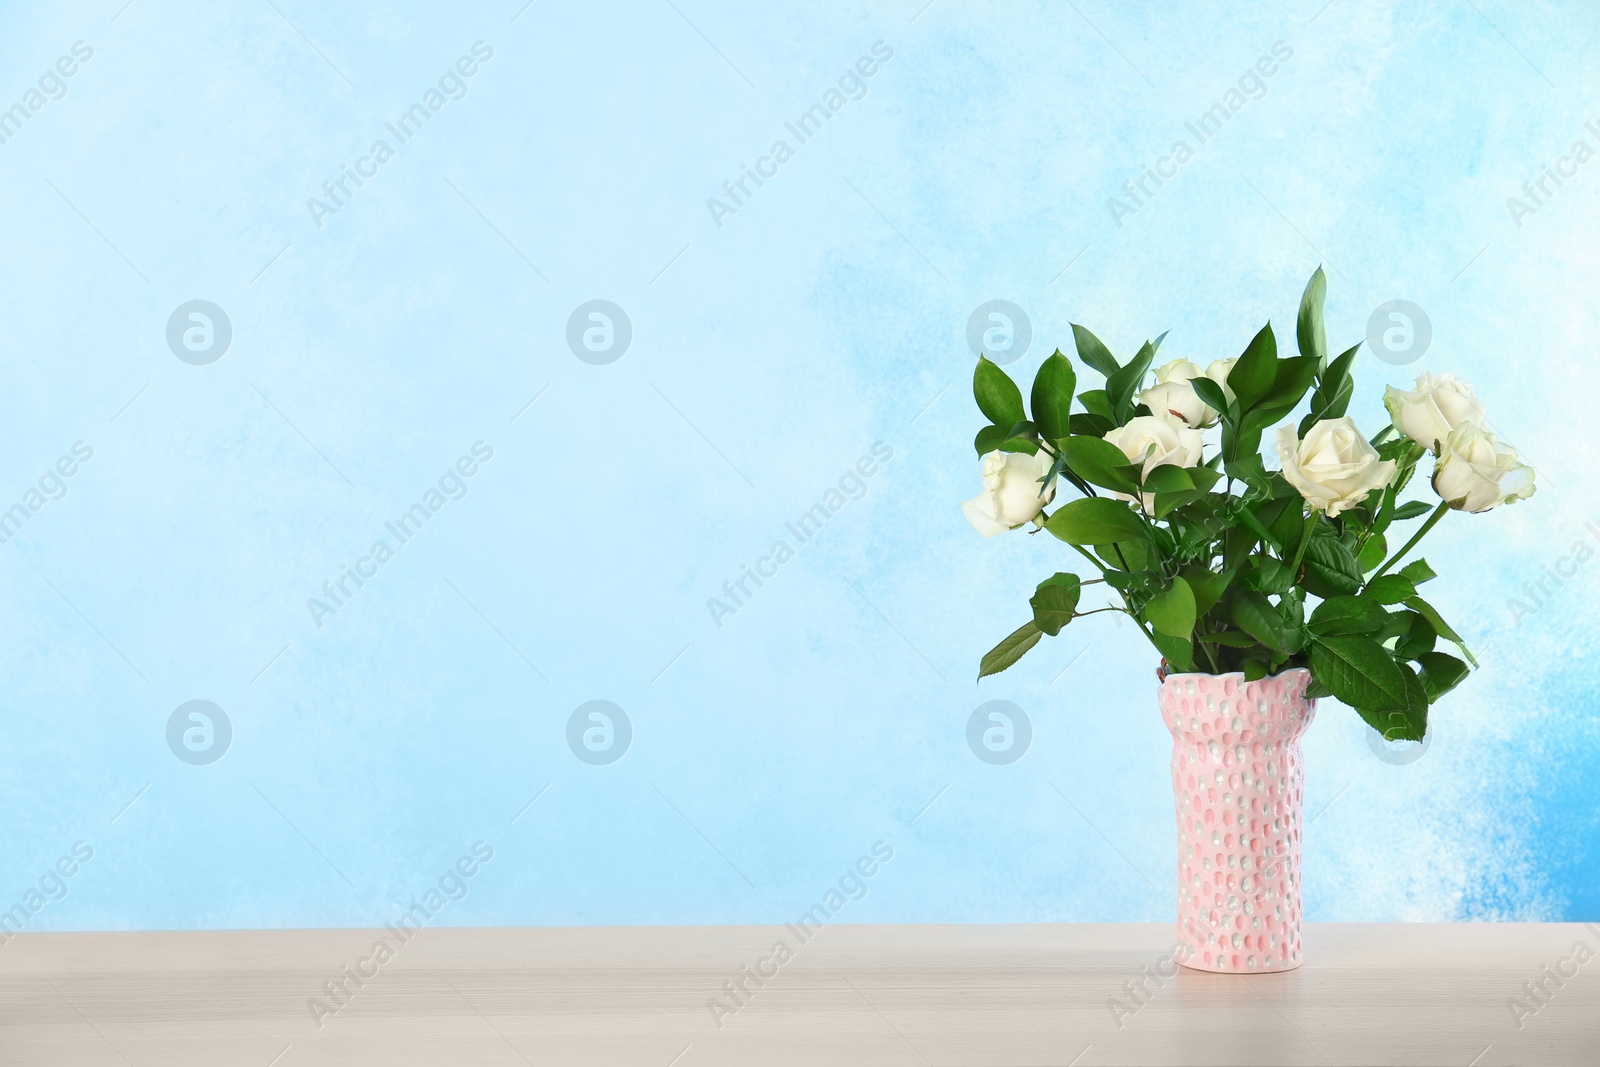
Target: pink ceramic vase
[{"x": 1237, "y": 776}]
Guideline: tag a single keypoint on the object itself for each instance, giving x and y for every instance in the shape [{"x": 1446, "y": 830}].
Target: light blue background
[{"x": 768, "y": 354}]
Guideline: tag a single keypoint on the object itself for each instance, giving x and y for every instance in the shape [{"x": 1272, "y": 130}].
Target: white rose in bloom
[
  {"x": 1334, "y": 467},
  {"x": 1178, "y": 370},
  {"x": 1173, "y": 399},
  {"x": 1478, "y": 471},
  {"x": 1010, "y": 494},
  {"x": 1436, "y": 406},
  {"x": 1158, "y": 443}
]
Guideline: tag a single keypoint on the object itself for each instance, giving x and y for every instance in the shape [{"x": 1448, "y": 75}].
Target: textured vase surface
[{"x": 1237, "y": 776}]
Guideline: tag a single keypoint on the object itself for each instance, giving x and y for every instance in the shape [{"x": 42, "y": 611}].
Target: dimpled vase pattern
[{"x": 1237, "y": 777}]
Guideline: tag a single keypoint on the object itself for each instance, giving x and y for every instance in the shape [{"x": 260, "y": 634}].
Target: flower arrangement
[{"x": 1223, "y": 564}]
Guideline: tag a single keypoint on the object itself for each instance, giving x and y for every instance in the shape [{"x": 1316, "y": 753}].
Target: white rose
[
  {"x": 1010, "y": 497},
  {"x": 1436, "y": 406},
  {"x": 1178, "y": 370},
  {"x": 1173, "y": 399},
  {"x": 1334, "y": 467},
  {"x": 1156, "y": 443},
  {"x": 1478, "y": 471}
]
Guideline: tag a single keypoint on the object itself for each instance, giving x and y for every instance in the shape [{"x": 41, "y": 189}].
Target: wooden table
[{"x": 914, "y": 995}]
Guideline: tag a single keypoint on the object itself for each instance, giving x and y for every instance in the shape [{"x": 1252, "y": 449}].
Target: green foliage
[
  {"x": 1051, "y": 401},
  {"x": 1221, "y": 565},
  {"x": 1441, "y": 673},
  {"x": 997, "y": 395},
  {"x": 1095, "y": 521},
  {"x": 1252, "y": 377},
  {"x": 1212, "y": 395},
  {"x": 1418, "y": 571},
  {"x": 1391, "y": 589},
  {"x": 1172, "y": 611},
  {"x": 1347, "y": 615},
  {"x": 1092, "y": 352},
  {"x": 1010, "y": 650},
  {"x": 1054, "y": 602},
  {"x": 1360, "y": 671},
  {"x": 1330, "y": 569},
  {"x": 1099, "y": 462},
  {"x": 1333, "y": 392},
  {"x": 1419, "y": 636},
  {"x": 1253, "y": 613},
  {"x": 1121, "y": 386},
  {"x": 1309, "y": 332}
]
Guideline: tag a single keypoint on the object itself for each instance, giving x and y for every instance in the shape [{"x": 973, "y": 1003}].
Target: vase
[{"x": 1237, "y": 779}]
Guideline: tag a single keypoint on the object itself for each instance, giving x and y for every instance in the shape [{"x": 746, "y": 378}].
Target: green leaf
[
  {"x": 1096, "y": 402},
  {"x": 1242, "y": 441},
  {"x": 1208, "y": 587},
  {"x": 997, "y": 395},
  {"x": 1441, "y": 673},
  {"x": 1010, "y": 650},
  {"x": 1396, "y": 624},
  {"x": 1285, "y": 517},
  {"x": 1255, "y": 526},
  {"x": 1254, "y": 614},
  {"x": 1121, "y": 386},
  {"x": 1382, "y": 517},
  {"x": 1419, "y": 637},
  {"x": 1373, "y": 553},
  {"x": 1095, "y": 521},
  {"x": 1166, "y": 503},
  {"x": 1347, "y": 615},
  {"x": 1051, "y": 399},
  {"x": 1390, "y": 589},
  {"x": 1330, "y": 569},
  {"x": 1172, "y": 611},
  {"x": 1055, "y": 601},
  {"x": 1023, "y": 437},
  {"x": 1442, "y": 628},
  {"x": 1358, "y": 671},
  {"x": 1088, "y": 424},
  {"x": 1210, "y": 394},
  {"x": 1289, "y": 384},
  {"x": 1408, "y": 721},
  {"x": 1176, "y": 486},
  {"x": 1418, "y": 571},
  {"x": 1099, "y": 461},
  {"x": 1058, "y": 469},
  {"x": 1231, "y": 638},
  {"x": 1254, "y": 670},
  {"x": 1135, "y": 553},
  {"x": 1309, "y": 332},
  {"x": 1334, "y": 389},
  {"x": 1177, "y": 651},
  {"x": 1092, "y": 352},
  {"x": 1411, "y": 509},
  {"x": 1267, "y": 575},
  {"x": 1125, "y": 580},
  {"x": 1167, "y": 479},
  {"x": 989, "y": 439},
  {"x": 1292, "y": 609},
  {"x": 1248, "y": 469},
  {"x": 1252, "y": 377}
]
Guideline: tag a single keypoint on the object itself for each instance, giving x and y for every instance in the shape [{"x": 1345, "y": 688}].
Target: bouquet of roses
[{"x": 1223, "y": 564}]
